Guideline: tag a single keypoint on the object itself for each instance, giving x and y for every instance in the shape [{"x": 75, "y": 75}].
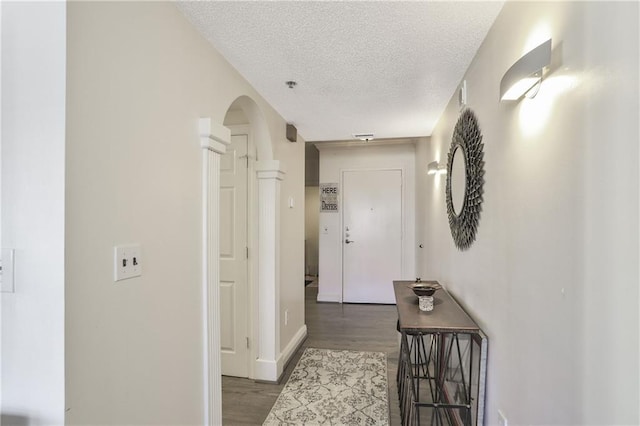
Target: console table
[{"x": 442, "y": 363}]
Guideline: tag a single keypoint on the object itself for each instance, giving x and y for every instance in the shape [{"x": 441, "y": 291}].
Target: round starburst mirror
[{"x": 465, "y": 180}]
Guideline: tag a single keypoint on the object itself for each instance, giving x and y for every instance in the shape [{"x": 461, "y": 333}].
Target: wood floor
[{"x": 329, "y": 326}]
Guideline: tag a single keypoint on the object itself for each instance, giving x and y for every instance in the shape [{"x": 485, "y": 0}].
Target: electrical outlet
[
  {"x": 127, "y": 262},
  {"x": 502, "y": 420}
]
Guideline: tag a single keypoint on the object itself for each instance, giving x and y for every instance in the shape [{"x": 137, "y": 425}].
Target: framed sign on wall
[{"x": 329, "y": 202}]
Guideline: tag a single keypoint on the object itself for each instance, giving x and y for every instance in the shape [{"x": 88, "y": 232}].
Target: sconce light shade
[
  {"x": 434, "y": 167},
  {"x": 525, "y": 73}
]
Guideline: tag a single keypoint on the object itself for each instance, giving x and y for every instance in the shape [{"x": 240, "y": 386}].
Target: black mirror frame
[{"x": 466, "y": 136}]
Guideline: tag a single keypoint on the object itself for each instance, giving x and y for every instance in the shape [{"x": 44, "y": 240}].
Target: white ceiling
[{"x": 387, "y": 68}]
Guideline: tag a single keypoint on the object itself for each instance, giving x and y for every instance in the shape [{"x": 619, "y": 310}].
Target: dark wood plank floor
[{"x": 329, "y": 326}]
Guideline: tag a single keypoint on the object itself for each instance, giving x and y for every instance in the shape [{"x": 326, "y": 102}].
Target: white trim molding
[
  {"x": 269, "y": 175},
  {"x": 213, "y": 136},
  {"x": 214, "y": 139},
  {"x": 270, "y": 169},
  {"x": 291, "y": 348},
  {"x": 330, "y": 297}
]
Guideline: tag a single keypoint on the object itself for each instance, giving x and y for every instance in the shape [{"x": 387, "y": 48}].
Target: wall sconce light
[
  {"x": 462, "y": 95},
  {"x": 525, "y": 76},
  {"x": 434, "y": 167}
]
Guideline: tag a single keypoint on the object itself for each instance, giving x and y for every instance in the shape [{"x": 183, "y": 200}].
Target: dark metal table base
[{"x": 436, "y": 380}]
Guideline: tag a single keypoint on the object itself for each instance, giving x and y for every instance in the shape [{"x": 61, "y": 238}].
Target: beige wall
[
  {"x": 291, "y": 239},
  {"x": 139, "y": 77},
  {"x": 423, "y": 200},
  {"x": 553, "y": 275}
]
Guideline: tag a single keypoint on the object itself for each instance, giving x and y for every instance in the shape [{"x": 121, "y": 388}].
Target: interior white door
[
  {"x": 234, "y": 303},
  {"x": 372, "y": 235}
]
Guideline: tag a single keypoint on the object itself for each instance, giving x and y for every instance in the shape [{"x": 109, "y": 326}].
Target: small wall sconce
[
  {"x": 525, "y": 76},
  {"x": 434, "y": 167},
  {"x": 462, "y": 95}
]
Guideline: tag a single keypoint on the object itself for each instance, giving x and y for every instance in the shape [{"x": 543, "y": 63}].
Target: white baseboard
[
  {"x": 265, "y": 370},
  {"x": 291, "y": 348},
  {"x": 328, "y": 297}
]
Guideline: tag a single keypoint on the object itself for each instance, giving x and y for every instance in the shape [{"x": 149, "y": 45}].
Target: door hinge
[
  {"x": 247, "y": 343},
  {"x": 247, "y": 252}
]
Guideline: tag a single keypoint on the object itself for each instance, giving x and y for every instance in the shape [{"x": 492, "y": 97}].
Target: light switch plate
[
  {"x": 127, "y": 262},
  {"x": 7, "y": 266}
]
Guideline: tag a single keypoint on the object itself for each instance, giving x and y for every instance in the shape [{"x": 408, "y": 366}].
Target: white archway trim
[
  {"x": 213, "y": 136},
  {"x": 269, "y": 174},
  {"x": 214, "y": 139}
]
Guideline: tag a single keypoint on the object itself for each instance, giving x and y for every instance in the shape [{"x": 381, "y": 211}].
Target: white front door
[
  {"x": 234, "y": 303},
  {"x": 372, "y": 235}
]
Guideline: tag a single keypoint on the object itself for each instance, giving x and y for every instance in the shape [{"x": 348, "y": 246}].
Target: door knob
[{"x": 348, "y": 241}]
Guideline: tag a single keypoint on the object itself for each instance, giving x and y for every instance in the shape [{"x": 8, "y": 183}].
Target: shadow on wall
[{"x": 16, "y": 420}]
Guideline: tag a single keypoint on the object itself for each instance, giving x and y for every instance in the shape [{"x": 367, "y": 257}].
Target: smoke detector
[{"x": 363, "y": 136}]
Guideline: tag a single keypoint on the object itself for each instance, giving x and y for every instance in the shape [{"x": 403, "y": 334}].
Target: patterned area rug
[{"x": 334, "y": 387}]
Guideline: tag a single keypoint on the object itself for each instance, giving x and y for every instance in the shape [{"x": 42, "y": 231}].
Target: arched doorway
[{"x": 263, "y": 217}]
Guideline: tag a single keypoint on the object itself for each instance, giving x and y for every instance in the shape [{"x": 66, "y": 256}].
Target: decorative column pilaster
[
  {"x": 214, "y": 139},
  {"x": 269, "y": 176}
]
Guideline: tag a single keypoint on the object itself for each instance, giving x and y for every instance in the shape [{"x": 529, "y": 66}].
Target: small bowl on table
[
  {"x": 425, "y": 288},
  {"x": 425, "y": 291}
]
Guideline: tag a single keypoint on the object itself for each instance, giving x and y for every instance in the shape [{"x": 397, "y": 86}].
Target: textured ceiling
[{"x": 387, "y": 68}]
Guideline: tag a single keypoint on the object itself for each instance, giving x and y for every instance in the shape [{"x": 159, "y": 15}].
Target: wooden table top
[{"x": 447, "y": 316}]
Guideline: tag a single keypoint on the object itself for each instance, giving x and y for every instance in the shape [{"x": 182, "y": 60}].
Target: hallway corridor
[{"x": 329, "y": 326}]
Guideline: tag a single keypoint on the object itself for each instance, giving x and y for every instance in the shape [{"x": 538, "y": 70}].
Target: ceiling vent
[{"x": 363, "y": 136}]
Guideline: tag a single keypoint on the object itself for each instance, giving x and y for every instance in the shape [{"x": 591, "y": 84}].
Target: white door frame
[
  {"x": 244, "y": 129},
  {"x": 263, "y": 278}
]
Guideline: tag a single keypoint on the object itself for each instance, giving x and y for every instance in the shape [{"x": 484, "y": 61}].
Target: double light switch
[{"x": 127, "y": 262}]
